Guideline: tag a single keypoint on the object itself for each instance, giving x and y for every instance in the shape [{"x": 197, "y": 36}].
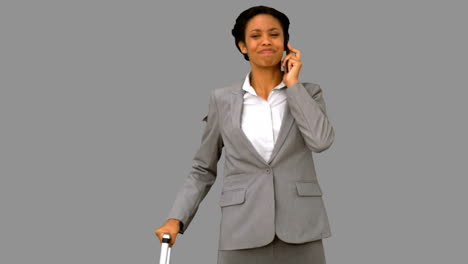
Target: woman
[{"x": 268, "y": 124}]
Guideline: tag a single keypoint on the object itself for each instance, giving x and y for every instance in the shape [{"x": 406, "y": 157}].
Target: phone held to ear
[{"x": 285, "y": 68}]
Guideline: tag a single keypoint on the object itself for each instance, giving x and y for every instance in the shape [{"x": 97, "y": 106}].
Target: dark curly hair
[{"x": 241, "y": 23}]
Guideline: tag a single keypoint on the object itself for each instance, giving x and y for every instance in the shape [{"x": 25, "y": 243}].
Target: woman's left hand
[{"x": 294, "y": 64}]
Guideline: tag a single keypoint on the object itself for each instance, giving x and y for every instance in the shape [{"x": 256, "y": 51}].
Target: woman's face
[{"x": 262, "y": 32}]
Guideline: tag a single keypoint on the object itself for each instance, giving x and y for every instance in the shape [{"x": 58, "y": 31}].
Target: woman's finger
[
  {"x": 286, "y": 58},
  {"x": 291, "y": 63},
  {"x": 292, "y": 59},
  {"x": 296, "y": 51},
  {"x": 294, "y": 63}
]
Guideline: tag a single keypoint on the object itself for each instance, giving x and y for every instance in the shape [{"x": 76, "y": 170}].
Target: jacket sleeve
[
  {"x": 307, "y": 106},
  {"x": 203, "y": 172}
]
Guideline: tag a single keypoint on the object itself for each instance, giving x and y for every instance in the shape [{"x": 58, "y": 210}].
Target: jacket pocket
[
  {"x": 308, "y": 189},
  {"x": 232, "y": 197}
]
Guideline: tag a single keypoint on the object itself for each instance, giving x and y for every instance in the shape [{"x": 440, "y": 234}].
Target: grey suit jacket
[{"x": 261, "y": 198}]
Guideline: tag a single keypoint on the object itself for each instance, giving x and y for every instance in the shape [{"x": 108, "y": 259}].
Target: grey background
[{"x": 101, "y": 105}]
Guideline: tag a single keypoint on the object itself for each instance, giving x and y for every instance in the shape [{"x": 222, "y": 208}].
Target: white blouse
[{"x": 261, "y": 119}]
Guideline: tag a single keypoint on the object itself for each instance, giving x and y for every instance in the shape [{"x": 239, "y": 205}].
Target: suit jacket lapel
[
  {"x": 286, "y": 125},
  {"x": 237, "y": 102}
]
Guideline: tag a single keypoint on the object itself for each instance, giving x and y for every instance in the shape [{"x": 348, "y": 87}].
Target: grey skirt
[{"x": 276, "y": 252}]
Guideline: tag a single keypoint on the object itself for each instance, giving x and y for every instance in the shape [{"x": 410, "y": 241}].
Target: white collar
[{"x": 248, "y": 88}]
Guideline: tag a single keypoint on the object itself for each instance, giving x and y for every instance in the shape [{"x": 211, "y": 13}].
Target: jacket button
[{"x": 268, "y": 170}]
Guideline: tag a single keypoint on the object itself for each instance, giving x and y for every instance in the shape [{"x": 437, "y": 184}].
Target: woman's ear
[
  {"x": 242, "y": 47},
  {"x": 286, "y": 49}
]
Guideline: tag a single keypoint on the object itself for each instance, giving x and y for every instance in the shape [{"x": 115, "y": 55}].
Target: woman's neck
[{"x": 263, "y": 80}]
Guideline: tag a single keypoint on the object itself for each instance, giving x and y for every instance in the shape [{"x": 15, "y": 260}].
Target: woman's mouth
[{"x": 266, "y": 52}]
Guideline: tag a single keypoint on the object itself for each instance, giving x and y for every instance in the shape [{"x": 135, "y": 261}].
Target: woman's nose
[{"x": 266, "y": 42}]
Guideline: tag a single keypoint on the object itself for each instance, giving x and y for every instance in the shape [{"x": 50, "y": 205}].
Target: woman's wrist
[
  {"x": 291, "y": 83},
  {"x": 173, "y": 220}
]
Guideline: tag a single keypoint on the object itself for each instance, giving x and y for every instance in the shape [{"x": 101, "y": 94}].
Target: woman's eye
[{"x": 275, "y": 35}]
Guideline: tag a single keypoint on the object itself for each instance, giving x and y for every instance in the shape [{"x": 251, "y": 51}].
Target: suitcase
[{"x": 165, "y": 249}]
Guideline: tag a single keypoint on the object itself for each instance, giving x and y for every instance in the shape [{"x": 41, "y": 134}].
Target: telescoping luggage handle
[{"x": 165, "y": 249}]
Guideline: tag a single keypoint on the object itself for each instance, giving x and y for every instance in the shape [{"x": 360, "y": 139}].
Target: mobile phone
[
  {"x": 287, "y": 52},
  {"x": 285, "y": 68}
]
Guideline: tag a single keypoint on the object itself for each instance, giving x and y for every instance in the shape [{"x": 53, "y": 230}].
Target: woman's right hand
[{"x": 172, "y": 227}]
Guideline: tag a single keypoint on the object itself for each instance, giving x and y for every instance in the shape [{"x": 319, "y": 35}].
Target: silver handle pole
[{"x": 165, "y": 250}]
